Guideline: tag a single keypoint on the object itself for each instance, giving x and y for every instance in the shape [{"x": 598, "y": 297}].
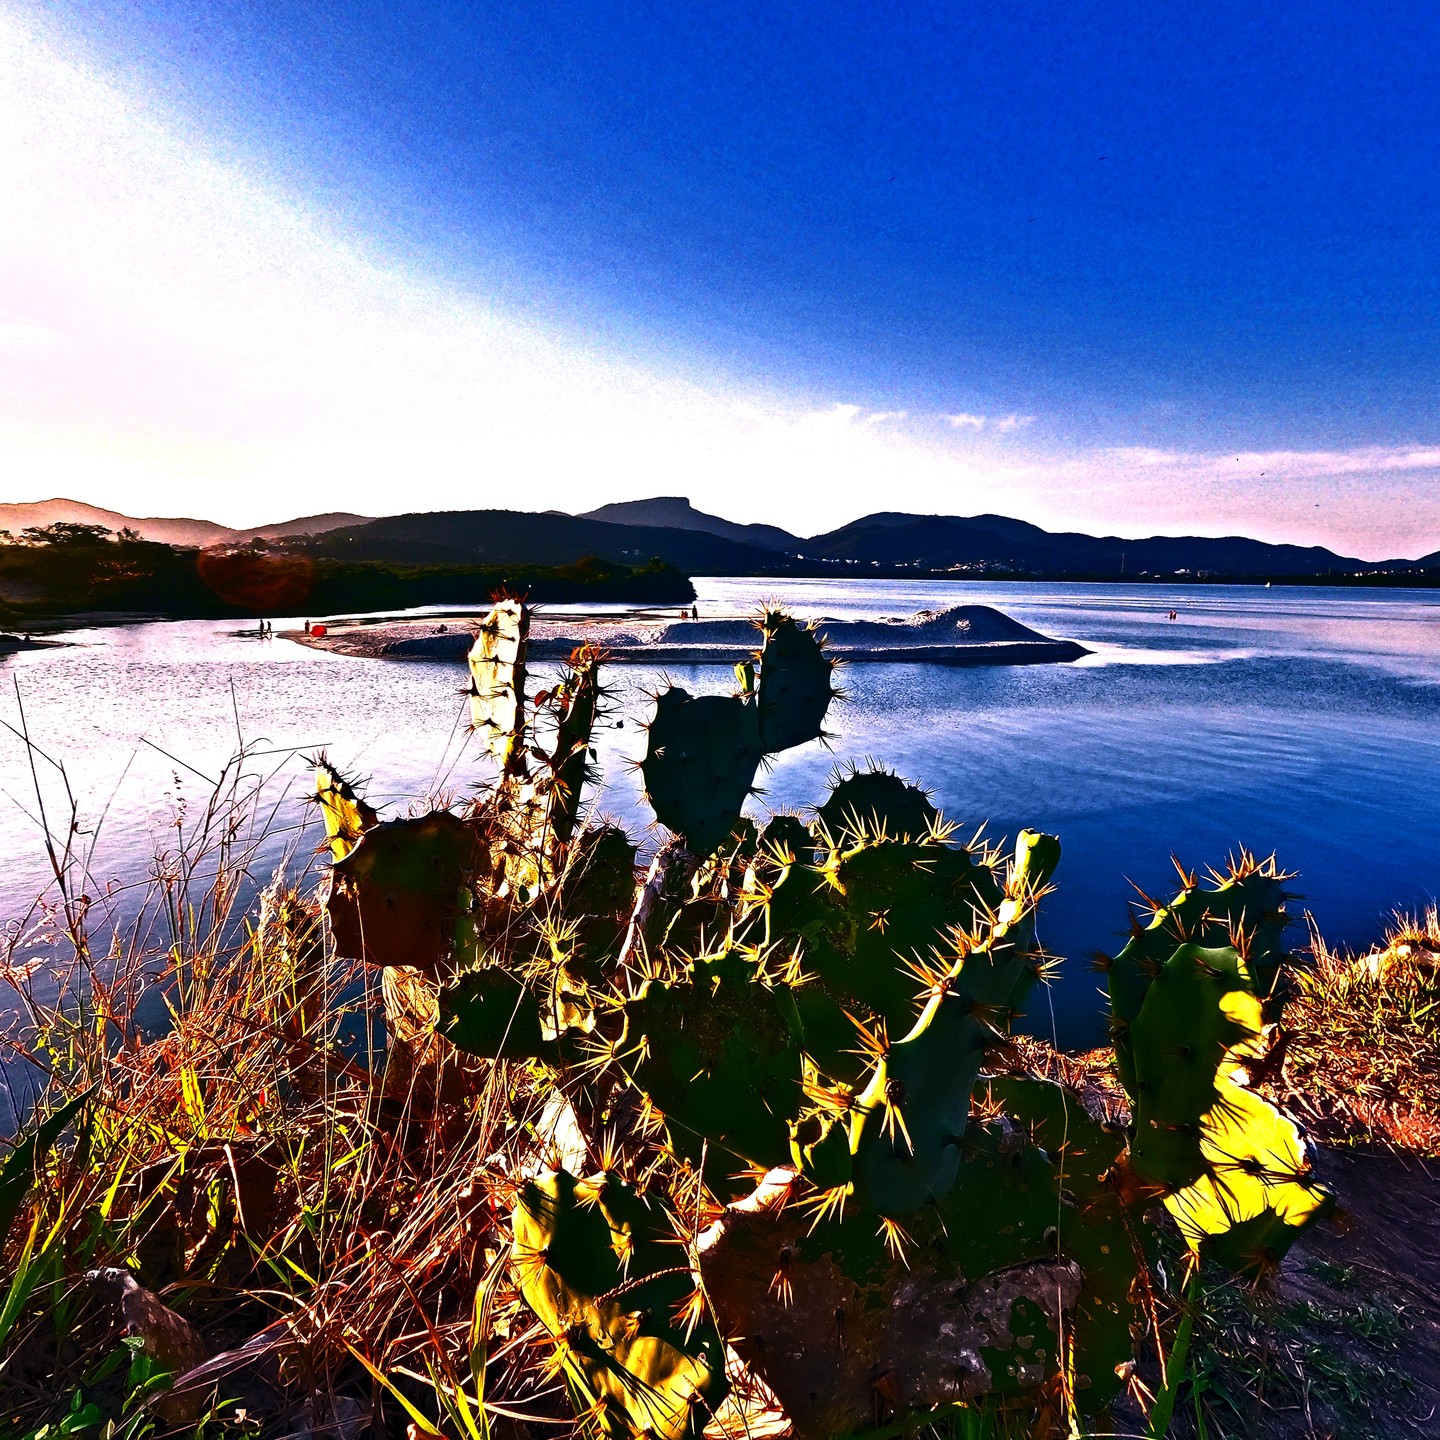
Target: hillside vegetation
[{"x": 68, "y": 570}]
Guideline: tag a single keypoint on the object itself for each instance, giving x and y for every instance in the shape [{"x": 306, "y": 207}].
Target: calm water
[{"x": 1304, "y": 721}]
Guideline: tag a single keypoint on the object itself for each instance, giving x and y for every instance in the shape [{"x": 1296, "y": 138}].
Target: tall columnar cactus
[
  {"x": 497, "y": 683},
  {"x": 798, "y": 1039}
]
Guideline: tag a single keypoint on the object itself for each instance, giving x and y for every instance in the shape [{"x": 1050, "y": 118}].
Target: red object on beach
[{"x": 317, "y": 629}]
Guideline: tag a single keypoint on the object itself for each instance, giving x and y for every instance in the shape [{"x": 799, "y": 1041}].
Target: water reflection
[{"x": 1298, "y": 720}]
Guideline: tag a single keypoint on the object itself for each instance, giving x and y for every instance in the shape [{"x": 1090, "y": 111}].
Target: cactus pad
[
  {"x": 700, "y": 762},
  {"x": 718, "y": 1054},
  {"x": 868, "y": 802},
  {"x": 347, "y": 816},
  {"x": 1247, "y": 905},
  {"x": 795, "y": 686},
  {"x": 489, "y": 1012},
  {"x": 497, "y": 682},
  {"x": 396, "y": 896},
  {"x": 909, "y": 1121},
  {"x": 1097, "y": 1226},
  {"x": 601, "y": 1265},
  {"x": 575, "y": 702}
]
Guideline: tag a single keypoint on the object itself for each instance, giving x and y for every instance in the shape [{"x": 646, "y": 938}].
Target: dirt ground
[{"x": 1346, "y": 1340}]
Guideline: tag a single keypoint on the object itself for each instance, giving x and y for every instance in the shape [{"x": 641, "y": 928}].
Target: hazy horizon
[{"x": 275, "y": 520}]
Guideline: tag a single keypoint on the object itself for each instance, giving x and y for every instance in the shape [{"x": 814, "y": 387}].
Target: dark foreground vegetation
[
  {"x": 67, "y": 570},
  {"x": 493, "y": 1133}
]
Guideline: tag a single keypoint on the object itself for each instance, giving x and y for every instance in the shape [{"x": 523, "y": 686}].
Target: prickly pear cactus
[
  {"x": 700, "y": 762},
  {"x": 396, "y": 896},
  {"x": 1098, "y": 1224},
  {"x": 347, "y": 816},
  {"x": 1190, "y": 995},
  {"x": 717, "y": 1052},
  {"x": 1244, "y": 906},
  {"x": 575, "y": 702},
  {"x": 796, "y": 683},
  {"x": 799, "y": 1035},
  {"x": 876, "y": 801},
  {"x": 1234, "y": 1171},
  {"x": 847, "y": 1319},
  {"x": 703, "y": 752},
  {"x": 910, "y": 1119}
]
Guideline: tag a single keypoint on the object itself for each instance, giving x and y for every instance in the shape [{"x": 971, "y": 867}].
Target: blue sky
[{"x": 1122, "y": 267}]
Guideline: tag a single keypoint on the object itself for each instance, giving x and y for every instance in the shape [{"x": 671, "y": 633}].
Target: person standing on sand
[{"x": 694, "y": 612}]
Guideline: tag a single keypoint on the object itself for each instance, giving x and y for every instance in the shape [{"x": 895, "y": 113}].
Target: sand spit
[{"x": 961, "y": 635}]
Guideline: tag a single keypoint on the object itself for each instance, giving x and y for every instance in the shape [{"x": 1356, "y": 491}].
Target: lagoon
[{"x": 1300, "y": 720}]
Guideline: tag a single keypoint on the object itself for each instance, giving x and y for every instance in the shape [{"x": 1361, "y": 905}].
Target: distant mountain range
[
  {"x": 887, "y": 543},
  {"x": 40, "y": 513},
  {"x": 674, "y": 512}
]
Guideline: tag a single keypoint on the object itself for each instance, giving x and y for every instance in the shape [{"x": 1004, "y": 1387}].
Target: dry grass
[
  {"x": 1363, "y": 1036},
  {"x": 328, "y": 1227},
  {"x": 328, "y": 1217}
]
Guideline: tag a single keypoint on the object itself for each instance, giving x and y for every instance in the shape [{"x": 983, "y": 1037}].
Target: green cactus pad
[
  {"x": 1250, "y": 900},
  {"x": 857, "y": 921},
  {"x": 599, "y": 877},
  {"x": 1197, "y": 1011},
  {"x": 1234, "y": 1168},
  {"x": 489, "y": 1012},
  {"x": 1098, "y": 1227},
  {"x": 894, "y": 901},
  {"x": 700, "y": 761},
  {"x": 347, "y": 816},
  {"x": 910, "y": 1120},
  {"x": 395, "y": 897},
  {"x": 1010, "y": 1181},
  {"x": 865, "y": 802},
  {"x": 575, "y": 702},
  {"x": 599, "y": 1264},
  {"x": 820, "y": 1151},
  {"x": 1257, "y": 1196},
  {"x": 785, "y": 838},
  {"x": 795, "y": 686},
  {"x": 718, "y": 1054}
]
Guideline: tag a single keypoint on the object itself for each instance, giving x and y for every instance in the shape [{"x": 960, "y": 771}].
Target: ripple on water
[{"x": 1298, "y": 720}]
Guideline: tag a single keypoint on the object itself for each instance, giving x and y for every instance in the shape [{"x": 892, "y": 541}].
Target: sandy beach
[{"x": 961, "y": 635}]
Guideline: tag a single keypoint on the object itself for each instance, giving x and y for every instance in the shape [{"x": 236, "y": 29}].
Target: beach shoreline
[{"x": 963, "y": 635}]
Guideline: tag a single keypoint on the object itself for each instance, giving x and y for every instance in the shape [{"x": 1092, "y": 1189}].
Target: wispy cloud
[
  {"x": 1001, "y": 424},
  {"x": 24, "y": 337},
  {"x": 1375, "y": 501},
  {"x": 1280, "y": 464}
]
